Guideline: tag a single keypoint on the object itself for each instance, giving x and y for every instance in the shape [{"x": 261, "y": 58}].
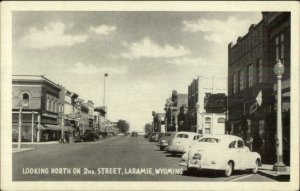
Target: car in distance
[
  {"x": 164, "y": 140},
  {"x": 181, "y": 142},
  {"x": 134, "y": 134},
  {"x": 221, "y": 152}
]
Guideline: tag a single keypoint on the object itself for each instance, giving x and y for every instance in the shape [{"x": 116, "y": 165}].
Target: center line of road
[{"x": 239, "y": 178}]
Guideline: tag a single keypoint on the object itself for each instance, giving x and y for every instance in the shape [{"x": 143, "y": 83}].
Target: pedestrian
[{"x": 67, "y": 137}]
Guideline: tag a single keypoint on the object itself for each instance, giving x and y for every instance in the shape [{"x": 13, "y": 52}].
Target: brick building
[
  {"x": 40, "y": 108},
  {"x": 251, "y": 77}
]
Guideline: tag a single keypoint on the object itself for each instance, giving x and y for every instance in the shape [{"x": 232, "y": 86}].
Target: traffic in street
[{"x": 121, "y": 158}]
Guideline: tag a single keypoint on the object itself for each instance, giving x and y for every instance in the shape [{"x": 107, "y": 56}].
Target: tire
[
  {"x": 173, "y": 153},
  {"x": 161, "y": 148},
  {"x": 228, "y": 169},
  {"x": 255, "y": 169}
]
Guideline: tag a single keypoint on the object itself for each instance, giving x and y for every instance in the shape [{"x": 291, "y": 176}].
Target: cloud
[
  {"x": 149, "y": 49},
  {"x": 187, "y": 61},
  {"x": 102, "y": 29},
  {"x": 218, "y": 31},
  {"x": 90, "y": 69},
  {"x": 52, "y": 35}
]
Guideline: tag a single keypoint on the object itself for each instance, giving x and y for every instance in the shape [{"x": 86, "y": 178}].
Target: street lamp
[{"x": 279, "y": 165}]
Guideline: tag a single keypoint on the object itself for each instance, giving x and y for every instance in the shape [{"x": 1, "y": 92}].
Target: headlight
[{"x": 197, "y": 156}]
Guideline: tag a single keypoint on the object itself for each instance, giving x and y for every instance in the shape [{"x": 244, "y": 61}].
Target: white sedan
[{"x": 221, "y": 152}]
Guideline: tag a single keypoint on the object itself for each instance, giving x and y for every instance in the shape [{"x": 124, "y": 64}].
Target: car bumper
[{"x": 197, "y": 164}]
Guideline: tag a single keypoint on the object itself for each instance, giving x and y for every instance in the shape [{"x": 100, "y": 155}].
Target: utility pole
[
  {"x": 20, "y": 126},
  {"x": 104, "y": 92}
]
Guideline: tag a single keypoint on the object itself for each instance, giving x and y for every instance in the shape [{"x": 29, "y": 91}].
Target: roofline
[{"x": 40, "y": 76}]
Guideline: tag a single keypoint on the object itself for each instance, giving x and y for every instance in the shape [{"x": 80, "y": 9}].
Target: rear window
[
  {"x": 209, "y": 140},
  {"x": 182, "y": 136}
]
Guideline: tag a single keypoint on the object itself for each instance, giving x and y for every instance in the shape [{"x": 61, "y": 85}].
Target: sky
[{"x": 146, "y": 54}]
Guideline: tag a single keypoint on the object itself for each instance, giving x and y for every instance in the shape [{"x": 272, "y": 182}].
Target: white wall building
[{"x": 209, "y": 122}]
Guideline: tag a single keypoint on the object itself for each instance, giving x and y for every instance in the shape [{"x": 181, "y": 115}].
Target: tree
[
  {"x": 123, "y": 126},
  {"x": 148, "y": 128}
]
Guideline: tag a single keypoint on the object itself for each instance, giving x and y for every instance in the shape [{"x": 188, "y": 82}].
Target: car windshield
[
  {"x": 209, "y": 140},
  {"x": 182, "y": 136}
]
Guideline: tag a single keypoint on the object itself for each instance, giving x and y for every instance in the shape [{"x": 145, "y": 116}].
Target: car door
[
  {"x": 233, "y": 154},
  {"x": 242, "y": 154}
]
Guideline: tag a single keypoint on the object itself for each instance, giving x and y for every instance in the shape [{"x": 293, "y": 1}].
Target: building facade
[
  {"x": 38, "y": 98},
  {"x": 198, "y": 119},
  {"x": 172, "y": 109},
  {"x": 252, "y": 84},
  {"x": 158, "y": 122},
  {"x": 68, "y": 119}
]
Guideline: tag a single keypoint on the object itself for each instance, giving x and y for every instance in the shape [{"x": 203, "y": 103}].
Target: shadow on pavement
[
  {"x": 170, "y": 155},
  {"x": 211, "y": 174}
]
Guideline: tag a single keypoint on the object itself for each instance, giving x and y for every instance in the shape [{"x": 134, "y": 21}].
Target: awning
[
  {"x": 68, "y": 128},
  {"x": 51, "y": 127}
]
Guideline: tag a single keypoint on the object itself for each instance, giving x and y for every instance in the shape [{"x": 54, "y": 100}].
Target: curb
[{"x": 274, "y": 175}]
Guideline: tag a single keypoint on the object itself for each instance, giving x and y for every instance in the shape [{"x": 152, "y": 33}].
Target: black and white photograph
[{"x": 150, "y": 96}]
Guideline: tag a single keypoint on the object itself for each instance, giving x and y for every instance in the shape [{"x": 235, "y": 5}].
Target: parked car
[
  {"x": 134, "y": 134},
  {"x": 221, "y": 152},
  {"x": 164, "y": 140},
  {"x": 155, "y": 136},
  {"x": 181, "y": 142},
  {"x": 87, "y": 136}
]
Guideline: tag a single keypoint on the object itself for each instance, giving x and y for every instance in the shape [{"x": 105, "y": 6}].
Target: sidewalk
[
  {"x": 16, "y": 150},
  {"x": 267, "y": 170},
  {"x": 37, "y": 143}
]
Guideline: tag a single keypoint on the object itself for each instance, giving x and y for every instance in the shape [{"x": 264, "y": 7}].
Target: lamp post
[{"x": 279, "y": 165}]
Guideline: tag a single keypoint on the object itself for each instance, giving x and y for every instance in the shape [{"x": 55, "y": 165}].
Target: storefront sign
[{"x": 215, "y": 103}]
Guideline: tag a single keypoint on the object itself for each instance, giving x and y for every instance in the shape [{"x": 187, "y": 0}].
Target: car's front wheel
[
  {"x": 255, "y": 169},
  {"x": 161, "y": 148},
  {"x": 228, "y": 169}
]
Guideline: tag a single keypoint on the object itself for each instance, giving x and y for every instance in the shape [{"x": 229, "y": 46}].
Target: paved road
[{"x": 109, "y": 160}]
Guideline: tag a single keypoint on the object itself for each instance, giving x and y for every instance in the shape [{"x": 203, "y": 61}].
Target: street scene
[
  {"x": 132, "y": 161},
  {"x": 151, "y": 96}
]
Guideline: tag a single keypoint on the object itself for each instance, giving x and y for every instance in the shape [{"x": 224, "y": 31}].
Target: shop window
[{"x": 25, "y": 100}]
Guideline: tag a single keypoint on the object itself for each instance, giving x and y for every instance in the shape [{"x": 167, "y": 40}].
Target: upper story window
[
  {"x": 48, "y": 105},
  {"x": 279, "y": 43},
  {"x": 235, "y": 83},
  {"x": 241, "y": 77},
  {"x": 250, "y": 75},
  {"x": 25, "y": 100},
  {"x": 260, "y": 70}
]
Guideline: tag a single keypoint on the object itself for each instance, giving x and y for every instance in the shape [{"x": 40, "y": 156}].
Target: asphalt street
[{"x": 122, "y": 158}]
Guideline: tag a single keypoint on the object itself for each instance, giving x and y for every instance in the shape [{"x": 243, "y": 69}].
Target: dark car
[
  {"x": 155, "y": 136},
  {"x": 87, "y": 136},
  {"x": 134, "y": 134},
  {"x": 164, "y": 140}
]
